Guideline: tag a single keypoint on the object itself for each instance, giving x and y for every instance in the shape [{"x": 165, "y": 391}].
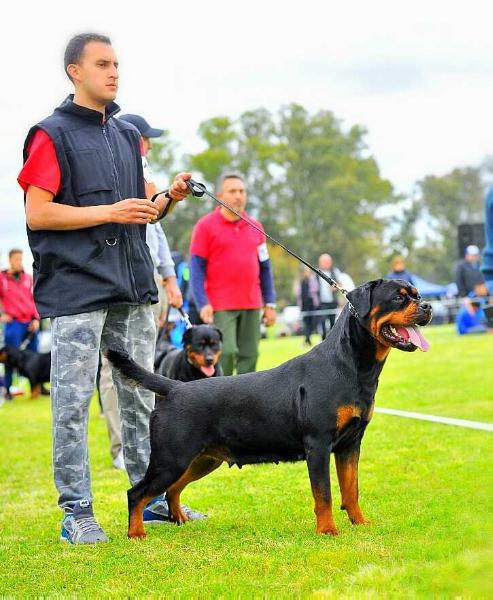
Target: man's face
[
  {"x": 146, "y": 142},
  {"x": 472, "y": 258},
  {"x": 325, "y": 262},
  {"x": 97, "y": 72},
  {"x": 16, "y": 262},
  {"x": 234, "y": 193}
]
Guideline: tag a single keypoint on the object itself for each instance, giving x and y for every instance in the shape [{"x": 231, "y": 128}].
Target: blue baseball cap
[{"x": 143, "y": 126}]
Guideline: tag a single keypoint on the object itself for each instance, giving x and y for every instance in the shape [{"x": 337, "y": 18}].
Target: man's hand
[
  {"x": 5, "y": 318},
  {"x": 33, "y": 326},
  {"x": 138, "y": 211},
  {"x": 270, "y": 315},
  {"x": 173, "y": 292},
  {"x": 179, "y": 189},
  {"x": 207, "y": 314}
]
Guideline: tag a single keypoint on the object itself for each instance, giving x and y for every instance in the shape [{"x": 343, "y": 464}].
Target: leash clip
[{"x": 186, "y": 318}]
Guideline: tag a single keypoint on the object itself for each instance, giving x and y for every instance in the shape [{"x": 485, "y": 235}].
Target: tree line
[{"x": 314, "y": 184}]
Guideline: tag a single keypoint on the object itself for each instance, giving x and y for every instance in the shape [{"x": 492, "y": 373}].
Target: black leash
[
  {"x": 26, "y": 341},
  {"x": 198, "y": 190}
]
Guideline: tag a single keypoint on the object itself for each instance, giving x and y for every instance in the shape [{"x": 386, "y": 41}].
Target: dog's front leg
[
  {"x": 347, "y": 473},
  {"x": 317, "y": 458}
]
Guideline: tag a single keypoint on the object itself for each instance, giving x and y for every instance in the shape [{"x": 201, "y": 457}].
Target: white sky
[{"x": 417, "y": 75}]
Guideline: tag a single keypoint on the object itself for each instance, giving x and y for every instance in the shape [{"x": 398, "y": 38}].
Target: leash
[
  {"x": 27, "y": 340},
  {"x": 198, "y": 190}
]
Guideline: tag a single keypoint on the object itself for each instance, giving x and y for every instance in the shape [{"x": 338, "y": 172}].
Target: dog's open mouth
[{"x": 405, "y": 338}]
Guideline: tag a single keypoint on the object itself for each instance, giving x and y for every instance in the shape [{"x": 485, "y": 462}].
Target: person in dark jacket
[
  {"x": 308, "y": 301},
  {"x": 467, "y": 273},
  {"x": 87, "y": 212}
]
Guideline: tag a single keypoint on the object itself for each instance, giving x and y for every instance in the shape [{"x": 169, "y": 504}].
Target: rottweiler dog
[
  {"x": 35, "y": 366},
  {"x": 198, "y": 360},
  {"x": 305, "y": 409}
]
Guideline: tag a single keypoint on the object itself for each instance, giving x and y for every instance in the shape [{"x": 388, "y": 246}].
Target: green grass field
[{"x": 426, "y": 487}]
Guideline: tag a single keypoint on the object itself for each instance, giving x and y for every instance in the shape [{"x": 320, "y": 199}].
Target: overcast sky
[{"x": 417, "y": 75}]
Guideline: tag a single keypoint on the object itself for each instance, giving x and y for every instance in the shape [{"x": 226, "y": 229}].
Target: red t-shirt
[
  {"x": 41, "y": 167},
  {"x": 231, "y": 249}
]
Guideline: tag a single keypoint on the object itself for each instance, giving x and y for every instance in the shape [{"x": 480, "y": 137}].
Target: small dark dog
[
  {"x": 198, "y": 360},
  {"x": 33, "y": 365},
  {"x": 305, "y": 409}
]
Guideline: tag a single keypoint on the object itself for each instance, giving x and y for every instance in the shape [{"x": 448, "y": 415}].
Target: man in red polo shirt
[
  {"x": 231, "y": 276},
  {"x": 17, "y": 309}
]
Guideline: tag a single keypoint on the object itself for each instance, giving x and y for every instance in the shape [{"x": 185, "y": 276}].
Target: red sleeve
[
  {"x": 200, "y": 240},
  {"x": 41, "y": 167}
]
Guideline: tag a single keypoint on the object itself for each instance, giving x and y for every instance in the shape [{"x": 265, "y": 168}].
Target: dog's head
[
  {"x": 392, "y": 311},
  {"x": 203, "y": 346}
]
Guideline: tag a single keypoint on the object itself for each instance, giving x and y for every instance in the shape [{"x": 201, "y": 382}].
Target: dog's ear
[
  {"x": 361, "y": 297},
  {"x": 187, "y": 336},
  {"x": 219, "y": 332}
]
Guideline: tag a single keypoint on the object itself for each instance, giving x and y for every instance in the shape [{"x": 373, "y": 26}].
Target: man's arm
[
  {"x": 43, "y": 213},
  {"x": 198, "y": 270},
  {"x": 268, "y": 292}
]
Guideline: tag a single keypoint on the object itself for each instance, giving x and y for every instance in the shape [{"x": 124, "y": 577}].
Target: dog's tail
[{"x": 134, "y": 374}]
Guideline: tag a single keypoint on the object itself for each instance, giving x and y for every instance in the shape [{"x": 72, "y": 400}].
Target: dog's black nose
[{"x": 425, "y": 306}]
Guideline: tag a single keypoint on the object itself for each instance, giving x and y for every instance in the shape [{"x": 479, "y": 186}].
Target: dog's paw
[{"x": 327, "y": 530}]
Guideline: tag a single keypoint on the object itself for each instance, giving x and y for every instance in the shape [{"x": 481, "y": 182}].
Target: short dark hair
[
  {"x": 75, "y": 47},
  {"x": 222, "y": 178},
  {"x": 15, "y": 251}
]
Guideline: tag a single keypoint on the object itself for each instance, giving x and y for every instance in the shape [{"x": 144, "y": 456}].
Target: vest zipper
[{"x": 119, "y": 197}]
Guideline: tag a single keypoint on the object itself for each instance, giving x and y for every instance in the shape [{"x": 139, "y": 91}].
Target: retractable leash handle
[
  {"x": 198, "y": 190},
  {"x": 186, "y": 318}
]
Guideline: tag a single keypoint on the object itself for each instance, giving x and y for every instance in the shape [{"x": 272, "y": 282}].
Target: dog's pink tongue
[
  {"x": 413, "y": 334},
  {"x": 208, "y": 371}
]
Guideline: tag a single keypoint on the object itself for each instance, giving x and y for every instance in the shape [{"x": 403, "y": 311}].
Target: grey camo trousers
[{"x": 76, "y": 342}]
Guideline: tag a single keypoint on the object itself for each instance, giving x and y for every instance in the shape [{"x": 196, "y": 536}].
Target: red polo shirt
[{"x": 232, "y": 279}]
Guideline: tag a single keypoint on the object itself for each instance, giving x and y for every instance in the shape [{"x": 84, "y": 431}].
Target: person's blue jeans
[{"x": 15, "y": 333}]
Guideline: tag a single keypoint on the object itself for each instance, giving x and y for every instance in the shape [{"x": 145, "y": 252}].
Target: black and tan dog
[
  {"x": 33, "y": 365},
  {"x": 198, "y": 360},
  {"x": 307, "y": 408}
]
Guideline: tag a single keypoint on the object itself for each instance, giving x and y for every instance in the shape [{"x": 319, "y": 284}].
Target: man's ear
[
  {"x": 361, "y": 297},
  {"x": 187, "y": 337}
]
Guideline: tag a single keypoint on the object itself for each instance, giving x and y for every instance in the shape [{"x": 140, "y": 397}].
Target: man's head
[
  {"x": 230, "y": 188},
  {"x": 91, "y": 64},
  {"x": 398, "y": 265},
  {"x": 146, "y": 131},
  {"x": 325, "y": 262},
  {"x": 472, "y": 254},
  {"x": 15, "y": 260}
]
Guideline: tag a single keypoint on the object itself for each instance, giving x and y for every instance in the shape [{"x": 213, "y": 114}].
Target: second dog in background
[{"x": 198, "y": 360}]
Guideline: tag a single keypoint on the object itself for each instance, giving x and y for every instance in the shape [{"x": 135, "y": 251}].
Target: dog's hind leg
[
  {"x": 200, "y": 467},
  {"x": 317, "y": 458},
  {"x": 35, "y": 391},
  {"x": 347, "y": 473}
]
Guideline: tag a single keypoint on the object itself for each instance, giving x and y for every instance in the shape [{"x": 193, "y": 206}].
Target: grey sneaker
[
  {"x": 80, "y": 527},
  {"x": 157, "y": 511}
]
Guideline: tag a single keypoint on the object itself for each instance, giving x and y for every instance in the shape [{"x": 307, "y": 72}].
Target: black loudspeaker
[{"x": 470, "y": 233}]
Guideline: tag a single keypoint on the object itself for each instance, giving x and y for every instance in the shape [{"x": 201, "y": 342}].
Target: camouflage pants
[{"x": 76, "y": 342}]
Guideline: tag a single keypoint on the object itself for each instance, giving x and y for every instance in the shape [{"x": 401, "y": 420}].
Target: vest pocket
[{"x": 90, "y": 175}]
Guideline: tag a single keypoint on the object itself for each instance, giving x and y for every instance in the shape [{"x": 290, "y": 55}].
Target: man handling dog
[{"x": 87, "y": 212}]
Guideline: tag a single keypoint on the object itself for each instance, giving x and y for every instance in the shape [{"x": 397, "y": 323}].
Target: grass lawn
[{"x": 426, "y": 487}]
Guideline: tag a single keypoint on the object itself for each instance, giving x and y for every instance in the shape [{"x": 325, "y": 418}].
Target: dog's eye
[{"x": 398, "y": 297}]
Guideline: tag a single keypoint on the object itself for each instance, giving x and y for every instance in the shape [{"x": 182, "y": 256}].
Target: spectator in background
[
  {"x": 471, "y": 319},
  {"x": 467, "y": 273},
  {"x": 327, "y": 294},
  {"x": 18, "y": 311},
  {"x": 308, "y": 301},
  {"x": 231, "y": 276},
  {"x": 399, "y": 271}
]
